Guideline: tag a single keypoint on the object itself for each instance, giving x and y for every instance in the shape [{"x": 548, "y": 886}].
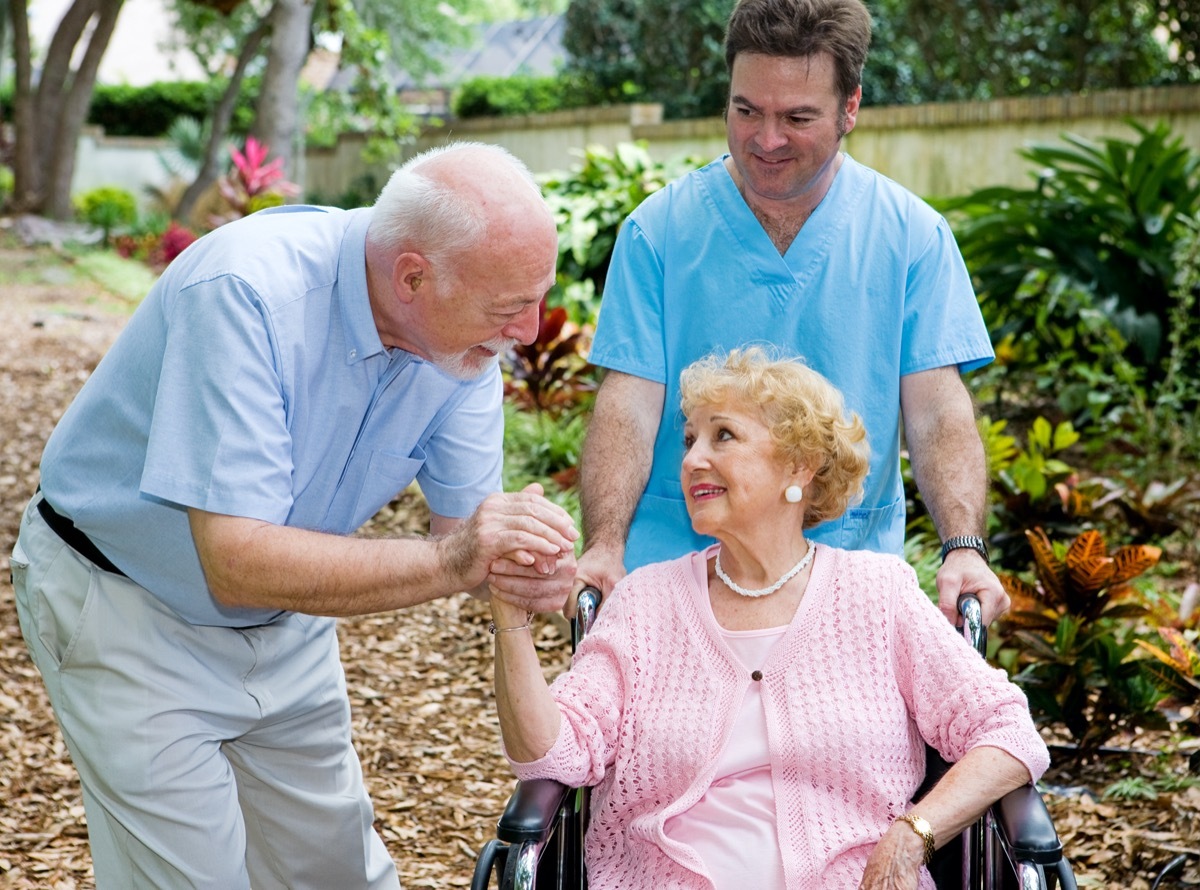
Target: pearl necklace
[{"x": 788, "y": 576}]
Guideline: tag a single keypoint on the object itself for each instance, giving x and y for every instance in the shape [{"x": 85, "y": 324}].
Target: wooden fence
[{"x": 934, "y": 150}]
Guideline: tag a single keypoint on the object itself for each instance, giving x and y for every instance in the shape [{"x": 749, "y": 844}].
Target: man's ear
[
  {"x": 850, "y": 111},
  {"x": 408, "y": 275}
]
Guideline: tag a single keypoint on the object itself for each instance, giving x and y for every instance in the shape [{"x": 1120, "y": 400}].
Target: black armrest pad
[
  {"x": 1025, "y": 826},
  {"x": 532, "y": 811}
]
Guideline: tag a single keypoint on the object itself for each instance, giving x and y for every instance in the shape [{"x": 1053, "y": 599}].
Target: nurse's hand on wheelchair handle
[
  {"x": 600, "y": 567},
  {"x": 964, "y": 571}
]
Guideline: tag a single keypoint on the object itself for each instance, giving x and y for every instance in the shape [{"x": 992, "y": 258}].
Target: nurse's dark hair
[{"x": 804, "y": 28}]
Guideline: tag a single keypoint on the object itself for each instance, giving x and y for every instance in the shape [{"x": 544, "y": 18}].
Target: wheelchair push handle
[
  {"x": 585, "y": 613},
  {"x": 970, "y": 614}
]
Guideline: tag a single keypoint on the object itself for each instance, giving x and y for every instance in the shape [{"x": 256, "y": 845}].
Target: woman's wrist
[
  {"x": 916, "y": 838},
  {"x": 506, "y": 617}
]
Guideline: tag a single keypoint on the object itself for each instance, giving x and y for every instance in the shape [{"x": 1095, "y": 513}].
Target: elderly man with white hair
[{"x": 179, "y": 571}]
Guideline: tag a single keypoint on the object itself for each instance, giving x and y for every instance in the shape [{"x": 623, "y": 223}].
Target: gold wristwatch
[{"x": 923, "y": 831}]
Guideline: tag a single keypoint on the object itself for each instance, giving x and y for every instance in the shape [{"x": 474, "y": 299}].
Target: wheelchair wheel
[{"x": 520, "y": 867}]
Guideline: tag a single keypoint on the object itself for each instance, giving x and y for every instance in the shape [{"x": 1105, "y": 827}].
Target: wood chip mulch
[{"x": 419, "y": 681}]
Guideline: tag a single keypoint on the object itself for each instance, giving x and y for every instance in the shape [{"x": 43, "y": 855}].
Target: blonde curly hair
[{"x": 804, "y": 413}]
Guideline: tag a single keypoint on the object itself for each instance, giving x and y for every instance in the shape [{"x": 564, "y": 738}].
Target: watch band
[
  {"x": 966, "y": 542},
  {"x": 923, "y": 831}
]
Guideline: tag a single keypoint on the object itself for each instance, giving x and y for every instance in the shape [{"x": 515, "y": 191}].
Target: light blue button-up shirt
[{"x": 252, "y": 382}]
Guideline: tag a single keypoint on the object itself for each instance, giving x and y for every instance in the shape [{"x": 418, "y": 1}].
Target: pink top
[
  {"x": 867, "y": 668},
  {"x": 732, "y": 827}
]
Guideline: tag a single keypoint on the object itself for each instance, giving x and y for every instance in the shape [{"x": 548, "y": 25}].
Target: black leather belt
[{"x": 74, "y": 538}]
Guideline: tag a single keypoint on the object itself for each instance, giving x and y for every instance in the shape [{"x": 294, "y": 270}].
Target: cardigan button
[{"x": 757, "y": 675}]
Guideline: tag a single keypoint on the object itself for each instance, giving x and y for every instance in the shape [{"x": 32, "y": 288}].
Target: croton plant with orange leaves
[
  {"x": 1073, "y": 650},
  {"x": 1176, "y": 671},
  {"x": 1087, "y": 582}
]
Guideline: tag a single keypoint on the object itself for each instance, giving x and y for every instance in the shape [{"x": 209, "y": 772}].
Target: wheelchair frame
[{"x": 545, "y": 818}]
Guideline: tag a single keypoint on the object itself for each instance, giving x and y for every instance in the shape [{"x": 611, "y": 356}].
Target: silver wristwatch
[{"x": 966, "y": 542}]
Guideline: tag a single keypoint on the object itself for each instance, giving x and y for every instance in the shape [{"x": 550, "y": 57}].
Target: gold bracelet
[
  {"x": 923, "y": 831},
  {"x": 493, "y": 630}
]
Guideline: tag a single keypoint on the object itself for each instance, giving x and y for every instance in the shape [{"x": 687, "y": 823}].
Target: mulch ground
[{"x": 420, "y": 680}]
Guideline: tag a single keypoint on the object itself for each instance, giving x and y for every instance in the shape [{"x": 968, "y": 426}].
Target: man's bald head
[
  {"x": 461, "y": 250},
  {"x": 456, "y": 198}
]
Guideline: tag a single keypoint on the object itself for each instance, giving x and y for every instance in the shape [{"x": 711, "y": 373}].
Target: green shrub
[
  {"x": 544, "y": 448},
  {"x": 149, "y": 110},
  {"x": 7, "y": 183},
  {"x": 1089, "y": 283},
  {"x": 518, "y": 94},
  {"x": 107, "y": 208},
  {"x": 361, "y": 192}
]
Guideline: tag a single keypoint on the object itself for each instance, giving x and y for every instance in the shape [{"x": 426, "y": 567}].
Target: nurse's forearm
[{"x": 617, "y": 455}]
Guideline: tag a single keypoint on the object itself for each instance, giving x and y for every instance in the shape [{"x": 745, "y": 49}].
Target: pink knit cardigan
[{"x": 866, "y": 671}]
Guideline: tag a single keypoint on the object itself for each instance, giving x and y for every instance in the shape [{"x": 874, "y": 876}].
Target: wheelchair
[{"x": 539, "y": 837}]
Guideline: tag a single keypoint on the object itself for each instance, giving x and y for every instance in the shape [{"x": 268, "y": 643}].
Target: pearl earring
[{"x": 793, "y": 493}]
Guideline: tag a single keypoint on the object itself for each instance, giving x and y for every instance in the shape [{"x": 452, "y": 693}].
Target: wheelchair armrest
[
  {"x": 532, "y": 811},
  {"x": 1025, "y": 827}
]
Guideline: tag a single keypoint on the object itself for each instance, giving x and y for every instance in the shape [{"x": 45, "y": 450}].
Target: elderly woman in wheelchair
[{"x": 755, "y": 715}]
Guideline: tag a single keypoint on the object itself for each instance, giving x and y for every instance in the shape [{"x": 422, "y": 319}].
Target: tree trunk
[
  {"x": 74, "y": 111},
  {"x": 219, "y": 125},
  {"x": 291, "y": 35},
  {"x": 47, "y": 119},
  {"x": 25, "y": 169}
]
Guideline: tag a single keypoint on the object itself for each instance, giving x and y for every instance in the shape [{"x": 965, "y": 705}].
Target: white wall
[{"x": 130, "y": 162}]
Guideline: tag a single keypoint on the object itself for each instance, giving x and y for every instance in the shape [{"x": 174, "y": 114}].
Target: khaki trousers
[{"x": 210, "y": 757}]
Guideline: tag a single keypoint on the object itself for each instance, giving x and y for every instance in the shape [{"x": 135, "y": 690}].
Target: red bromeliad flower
[{"x": 257, "y": 177}]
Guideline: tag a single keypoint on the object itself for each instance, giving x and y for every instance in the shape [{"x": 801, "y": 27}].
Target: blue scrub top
[
  {"x": 252, "y": 382},
  {"x": 873, "y": 288}
]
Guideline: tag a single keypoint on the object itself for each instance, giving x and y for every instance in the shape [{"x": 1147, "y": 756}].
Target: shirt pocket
[
  {"x": 386, "y": 474},
  {"x": 865, "y": 528}
]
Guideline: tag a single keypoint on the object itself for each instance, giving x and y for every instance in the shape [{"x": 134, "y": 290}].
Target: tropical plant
[
  {"x": 1176, "y": 671},
  {"x": 254, "y": 183},
  {"x": 187, "y": 137},
  {"x": 175, "y": 240},
  {"x": 1103, "y": 216},
  {"x": 1034, "y": 470},
  {"x": 1031, "y": 486},
  {"x": 1073, "y": 629},
  {"x": 590, "y": 203},
  {"x": 550, "y": 374},
  {"x": 156, "y": 240}
]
